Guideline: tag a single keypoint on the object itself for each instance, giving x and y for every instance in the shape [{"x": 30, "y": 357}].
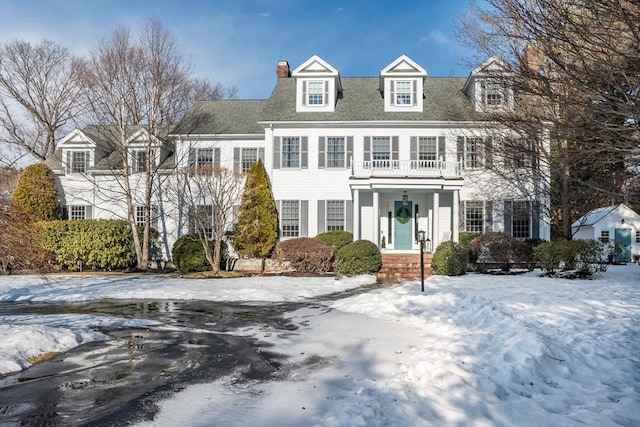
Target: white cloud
[{"x": 436, "y": 37}]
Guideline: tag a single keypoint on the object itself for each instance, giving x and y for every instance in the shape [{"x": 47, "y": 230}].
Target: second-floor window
[
  {"x": 335, "y": 152},
  {"x": 249, "y": 156},
  {"x": 473, "y": 153},
  {"x": 380, "y": 151},
  {"x": 290, "y": 152},
  {"x": 428, "y": 148},
  {"x": 77, "y": 161}
]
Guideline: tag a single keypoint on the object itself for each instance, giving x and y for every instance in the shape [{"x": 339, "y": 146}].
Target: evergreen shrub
[
  {"x": 585, "y": 256},
  {"x": 305, "y": 254},
  {"x": 36, "y": 193},
  {"x": 189, "y": 257},
  {"x": 465, "y": 238},
  {"x": 450, "y": 259},
  {"x": 89, "y": 244},
  {"x": 336, "y": 238},
  {"x": 500, "y": 248},
  {"x": 359, "y": 257}
]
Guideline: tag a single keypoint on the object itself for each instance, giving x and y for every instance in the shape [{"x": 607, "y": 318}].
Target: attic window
[
  {"x": 315, "y": 93},
  {"x": 404, "y": 93},
  {"x": 493, "y": 95}
]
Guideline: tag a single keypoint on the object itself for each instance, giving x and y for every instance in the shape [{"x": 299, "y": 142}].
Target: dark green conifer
[{"x": 36, "y": 193}]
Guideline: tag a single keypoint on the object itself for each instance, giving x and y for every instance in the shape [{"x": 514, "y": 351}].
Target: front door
[
  {"x": 403, "y": 235},
  {"x": 623, "y": 244}
]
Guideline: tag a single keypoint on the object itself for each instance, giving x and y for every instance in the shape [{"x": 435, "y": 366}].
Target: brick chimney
[{"x": 282, "y": 70}]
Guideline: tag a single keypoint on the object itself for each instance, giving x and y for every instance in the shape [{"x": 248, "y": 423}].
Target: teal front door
[
  {"x": 403, "y": 236},
  {"x": 623, "y": 244}
]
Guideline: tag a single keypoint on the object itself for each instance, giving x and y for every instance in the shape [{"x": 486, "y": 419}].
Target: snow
[{"x": 475, "y": 350}]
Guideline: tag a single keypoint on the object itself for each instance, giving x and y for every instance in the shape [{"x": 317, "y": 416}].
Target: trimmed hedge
[
  {"x": 89, "y": 244},
  {"x": 359, "y": 257},
  {"x": 188, "y": 254},
  {"x": 585, "y": 256},
  {"x": 501, "y": 248},
  {"x": 336, "y": 238},
  {"x": 450, "y": 259},
  {"x": 305, "y": 254}
]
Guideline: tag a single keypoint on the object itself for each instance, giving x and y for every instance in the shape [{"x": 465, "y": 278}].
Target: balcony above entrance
[{"x": 406, "y": 168}]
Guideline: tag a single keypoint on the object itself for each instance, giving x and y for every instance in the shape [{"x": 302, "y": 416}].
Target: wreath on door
[{"x": 403, "y": 215}]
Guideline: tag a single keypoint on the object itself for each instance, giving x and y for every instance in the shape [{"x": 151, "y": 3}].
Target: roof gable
[
  {"x": 597, "y": 215},
  {"x": 315, "y": 67},
  {"x": 77, "y": 137},
  {"x": 403, "y": 66}
]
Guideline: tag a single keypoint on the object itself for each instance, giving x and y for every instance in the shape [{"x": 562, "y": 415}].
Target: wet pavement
[{"x": 119, "y": 381}]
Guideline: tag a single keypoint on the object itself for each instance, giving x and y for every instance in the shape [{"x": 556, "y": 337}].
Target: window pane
[
  {"x": 403, "y": 93},
  {"x": 521, "y": 226},
  {"x": 493, "y": 94},
  {"x": 205, "y": 156},
  {"x": 428, "y": 148},
  {"x": 381, "y": 149},
  {"x": 249, "y": 158},
  {"x": 335, "y": 215},
  {"x": 290, "y": 152},
  {"x": 139, "y": 161},
  {"x": 290, "y": 218},
  {"x": 79, "y": 161},
  {"x": 474, "y": 217},
  {"x": 315, "y": 93},
  {"x": 473, "y": 152},
  {"x": 335, "y": 152},
  {"x": 77, "y": 212}
]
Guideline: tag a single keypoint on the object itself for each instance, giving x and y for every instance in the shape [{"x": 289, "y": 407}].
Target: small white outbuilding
[{"x": 617, "y": 224}]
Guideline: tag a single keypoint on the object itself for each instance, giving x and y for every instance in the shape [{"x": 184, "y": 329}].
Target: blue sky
[{"x": 239, "y": 42}]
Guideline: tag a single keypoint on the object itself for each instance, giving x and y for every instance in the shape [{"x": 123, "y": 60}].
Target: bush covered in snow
[
  {"x": 305, "y": 254},
  {"x": 450, "y": 259},
  {"x": 359, "y": 257}
]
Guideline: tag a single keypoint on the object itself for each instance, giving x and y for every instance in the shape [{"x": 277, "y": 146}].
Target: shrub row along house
[{"x": 382, "y": 157}]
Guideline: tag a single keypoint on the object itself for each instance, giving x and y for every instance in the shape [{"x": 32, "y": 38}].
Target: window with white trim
[
  {"x": 521, "y": 219},
  {"x": 403, "y": 92},
  {"x": 140, "y": 210},
  {"x": 290, "y": 218},
  {"x": 77, "y": 161},
  {"x": 474, "y": 216},
  {"x": 290, "y": 152},
  {"x": 604, "y": 236},
  {"x": 380, "y": 151},
  {"x": 248, "y": 157},
  {"x": 335, "y": 152},
  {"x": 493, "y": 94},
  {"x": 77, "y": 212},
  {"x": 638, "y": 236},
  {"x": 428, "y": 148},
  {"x": 335, "y": 215},
  {"x": 138, "y": 161},
  {"x": 315, "y": 92},
  {"x": 473, "y": 153}
]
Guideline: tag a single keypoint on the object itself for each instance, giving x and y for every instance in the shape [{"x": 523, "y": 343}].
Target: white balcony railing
[{"x": 406, "y": 168}]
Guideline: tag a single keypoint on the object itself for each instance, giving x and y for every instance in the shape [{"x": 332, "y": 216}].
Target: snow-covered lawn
[{"x": 475, "y": 350}]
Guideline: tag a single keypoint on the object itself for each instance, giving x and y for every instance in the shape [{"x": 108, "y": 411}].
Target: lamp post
[{"x": 421, "y": 238}]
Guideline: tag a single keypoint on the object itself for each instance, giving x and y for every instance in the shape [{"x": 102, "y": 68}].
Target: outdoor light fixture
[
  {"x": 421, "y": 237},
  {"x": 405, "y": 198}
]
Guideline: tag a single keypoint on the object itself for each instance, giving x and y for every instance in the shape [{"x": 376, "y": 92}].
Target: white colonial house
[{"x": 382, "y": 157}]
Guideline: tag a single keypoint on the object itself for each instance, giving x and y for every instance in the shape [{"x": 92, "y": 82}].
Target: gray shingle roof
[
  {"x": 361, "y": 100},
  {"x": 222, "y": 117}
]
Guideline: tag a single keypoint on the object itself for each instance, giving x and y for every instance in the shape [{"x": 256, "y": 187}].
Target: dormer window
[
  {"x": 403, "y": 92},
  {"x": 493, "y": 95},
  {"x": 316, "y": 92},
  {"x": 488, "y": 86},
  {"x": 77, "y": 161},
  {"x": 402, "y": 85}
]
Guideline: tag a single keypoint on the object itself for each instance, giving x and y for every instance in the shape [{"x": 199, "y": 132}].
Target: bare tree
[
  {"x": 576, "y": 66},
  {"x": 209, "y": 193},
  {"x": 39, "y": 95},
  {"x": 135, "y": 82}
]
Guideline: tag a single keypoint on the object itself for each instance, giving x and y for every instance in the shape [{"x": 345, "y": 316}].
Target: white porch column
[
  {"x": 436, "y": 221},
  {"x": 356, "y": 215},
  {"x": 456, "y": 215},
  {"x": 376, "y": 219}
]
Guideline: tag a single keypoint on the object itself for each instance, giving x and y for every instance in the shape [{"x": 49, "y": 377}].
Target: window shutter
[
  {"x": 488, "y": 152},
  {"x": 415, "y": 93},
  {"x": 261, "y": 154},
  {"x": 462, "y": 209},
  {"x": 68, "y": 168},
  {"x": 65, "y": 212},
  {"x": 304, "y": 146},
  {"x": 535, "y": 220},
  {"x": 508, "y": 217},
  {"x": 88, "y": 214},
  {"x": 236, "y": 159},
  {"x": 326, "y": 92},
  {"x": 304, "y": 218},
  {"x": 348, "y": 160},
  {"x": 321, "y": 152},
  {"x": 460, "y": 149},
  {"x": 279, "y": 209},
  {"x": 349, "y": 216},
  {"x": 413, "y": 147},
  {"x": 488, "y": 216},
  {"x": 534, "y": 156},
  {"x": 276, "y": 152},
  {"x": 442, "y": 148},
  {"x": 216, "y": 157},
  {"x": 304, "y": 93},
  {"x": 192, "y": 157},
  {"x": 321, "y": 217},
  {"x": 395, "y": 148},
  {"x": 367, "y": 148},
  {"x": 391, "y": 92}
]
